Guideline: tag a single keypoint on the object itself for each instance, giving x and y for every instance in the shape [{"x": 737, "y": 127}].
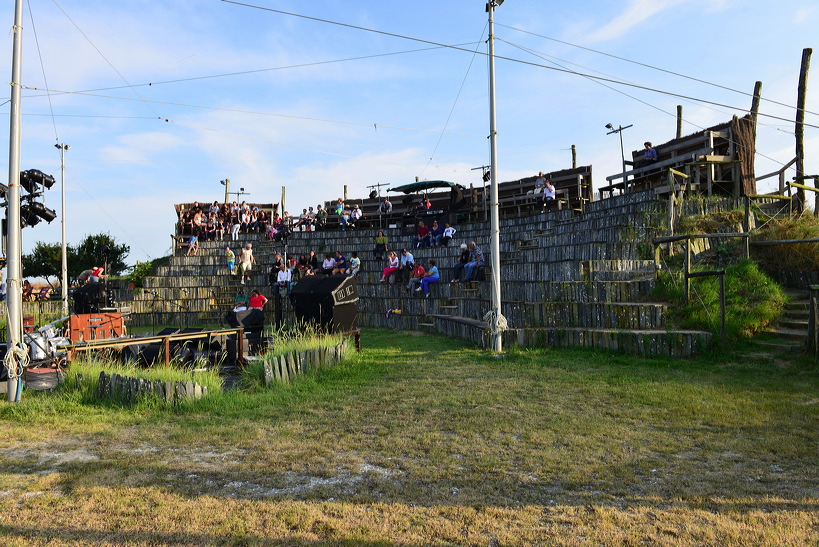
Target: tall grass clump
[
  {"x": 285, "y": 340},
  {"x": 752, "y": 300},
  {"x": 82, "y": 377},
  {"x": 801, "y": 256}
]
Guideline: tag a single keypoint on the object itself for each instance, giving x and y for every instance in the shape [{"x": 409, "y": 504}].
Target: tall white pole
[
  {"x": 14, "y": 303},
  {"x": 494, "y": 253},
  {"x": 64, "y": 270}
]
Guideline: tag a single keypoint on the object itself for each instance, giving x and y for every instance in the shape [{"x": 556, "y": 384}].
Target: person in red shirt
[
  {"x": 418, "y": 273},
  {"x": 423, "y": 232},
  {"x": 257, "y": 300}
]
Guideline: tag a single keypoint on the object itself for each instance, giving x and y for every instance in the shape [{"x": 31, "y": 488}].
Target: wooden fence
[
  {"x": 283, "y": 368},
  {"x": 128, "y": 390}
]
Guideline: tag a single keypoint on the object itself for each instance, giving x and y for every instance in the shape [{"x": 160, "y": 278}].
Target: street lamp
[
  {"x": 619, "y": 130},
  {"x": 64, "y": 271},
  {"x": 226, "y": 184}
]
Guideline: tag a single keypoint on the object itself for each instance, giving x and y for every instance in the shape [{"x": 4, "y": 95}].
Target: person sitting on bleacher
[
  {"x": 407, "y": 265},
  {"x": 475, "y": 261},
  {"x": 435, "y": 234},
  {"x": 328, "y": 264},
  {"x": 548, "y": 192},
  {"x": 392, "y": 266},
  {"x": 340, "y": 266},
  {"x": 446, "y": 236},
  {"x": 355, "y": 215},
  {"x": 262, "y": 223},
  {"x": 385, "y": 208},
  {"x": 415, "y": 281},
  {"x": 302, "y": 223},
  {"x": 355, "y": 264},
  {"x": 422, "y": 240},
  {"x": 649, "y": 157}
]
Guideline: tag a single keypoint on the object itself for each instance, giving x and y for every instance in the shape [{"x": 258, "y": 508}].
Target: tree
[
  {"x": 90, "y": 253},
  {"x": 44, "y": 261}
]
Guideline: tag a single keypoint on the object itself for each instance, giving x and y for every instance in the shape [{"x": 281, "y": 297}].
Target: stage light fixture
[
  {"x": 28, "y": 217},
  {"x": 32, "y": 213},
  {"x": 32, "y": 178}
]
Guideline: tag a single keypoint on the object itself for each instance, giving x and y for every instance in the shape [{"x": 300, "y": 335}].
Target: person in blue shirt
[
  {"x": 430, "y": 277},
  {"x": 340, "y": 265},
  {"x": 649, "y": 157}
]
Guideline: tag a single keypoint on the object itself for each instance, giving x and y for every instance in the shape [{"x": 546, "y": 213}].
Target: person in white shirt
[
  {"x": 446, "y": 236},
  {"x": 283, "y": 280}
]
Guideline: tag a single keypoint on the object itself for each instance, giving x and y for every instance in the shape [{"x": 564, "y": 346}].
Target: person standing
[
  {"x": 246, "y": 261},
  {"x": 257, "y": 300},
  {"x": 231, "y": 261}
]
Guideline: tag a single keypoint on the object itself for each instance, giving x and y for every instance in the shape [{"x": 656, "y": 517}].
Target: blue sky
[{"x": 271, "y": 100}]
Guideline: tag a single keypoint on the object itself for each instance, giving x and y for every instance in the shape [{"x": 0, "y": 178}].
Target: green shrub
[{"x": 752, "y": 300}]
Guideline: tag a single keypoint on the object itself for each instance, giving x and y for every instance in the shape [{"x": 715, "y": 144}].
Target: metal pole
[
  {"x": 14, "y": 303},
  {"x": 494, "y": 205},
  {"x": 64, "y": 251}
]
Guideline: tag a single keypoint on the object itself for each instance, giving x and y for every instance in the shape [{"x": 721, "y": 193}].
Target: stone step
[
  {"x": 787, "y": 334},
  {"x": 794, "y": 324}
]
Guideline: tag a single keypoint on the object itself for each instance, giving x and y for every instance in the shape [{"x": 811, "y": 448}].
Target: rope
[
  {"x": 490, "y": 320},
  {"x": 16, "y": 360}
]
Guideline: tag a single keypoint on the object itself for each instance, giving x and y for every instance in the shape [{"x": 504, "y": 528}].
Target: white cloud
[
  {"x": 804, "y": 16},
  {"x": 635, "y": 14}
]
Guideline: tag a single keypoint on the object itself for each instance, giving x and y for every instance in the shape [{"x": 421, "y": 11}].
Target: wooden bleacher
[
  {"x": 573, "y": 189},
  {"x": 710, "y": 157}
]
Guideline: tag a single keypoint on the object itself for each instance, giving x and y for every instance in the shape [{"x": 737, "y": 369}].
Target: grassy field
[{"x": 421, "y": 440}]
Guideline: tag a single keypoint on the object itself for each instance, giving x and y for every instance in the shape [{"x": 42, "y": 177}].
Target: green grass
[
  {"x": 752, "y": 300},
  {"x": 422, "y": 440},
  {"x": 281, "y": 342}
]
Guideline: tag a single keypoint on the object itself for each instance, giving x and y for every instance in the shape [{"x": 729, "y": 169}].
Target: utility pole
[
  {"x": 64, "y": 250},
  {"x": 16, "y": 356},
  {"x": 494, "y": 206}
]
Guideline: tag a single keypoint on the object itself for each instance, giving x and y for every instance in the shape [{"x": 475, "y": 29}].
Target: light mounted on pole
[{"x": 620, "y": 130}]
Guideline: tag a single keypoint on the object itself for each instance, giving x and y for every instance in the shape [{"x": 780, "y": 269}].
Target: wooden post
[
  {"x": 755, "y": 105},
  {"x": 801, "y": 98},
  {"x": 687, "y": 288},
  {"x": 670, "y": 211},
  {"x": 746, "y": 223},
  {"x": 166, "y": 349},
  {"x": 722, "y": 303},
  {"x": 813, "y": 315},
  {"x": 679, "y": 121},
  {"x": 657, "y": 259},
  {"x": 574, "y": 157}
]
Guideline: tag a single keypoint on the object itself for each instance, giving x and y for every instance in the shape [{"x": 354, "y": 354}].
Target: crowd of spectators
[{"x": 228, "y": 221}]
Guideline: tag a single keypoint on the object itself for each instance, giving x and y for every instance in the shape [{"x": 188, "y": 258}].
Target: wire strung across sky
[{"x": 538, "y": 65}]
